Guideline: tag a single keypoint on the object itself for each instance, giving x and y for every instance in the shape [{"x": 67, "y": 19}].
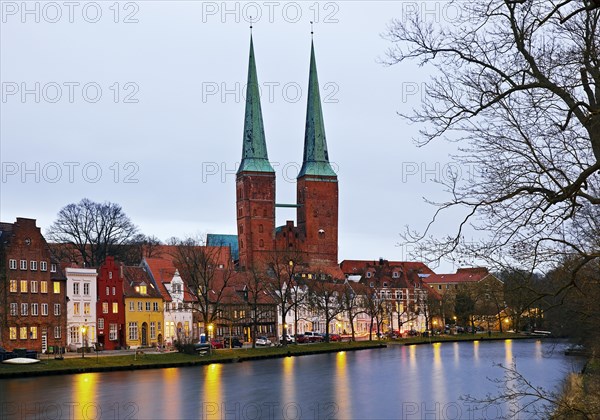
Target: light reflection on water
[{"x": 398, "y": 382}]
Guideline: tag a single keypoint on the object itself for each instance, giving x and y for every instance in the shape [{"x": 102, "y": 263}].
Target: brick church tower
[
  {"x": 316, "y": 235},
  {"x": 255, "y": 181}
]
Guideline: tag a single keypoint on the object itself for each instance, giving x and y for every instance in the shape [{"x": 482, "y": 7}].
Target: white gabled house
[{"x": 81, "y": 307}]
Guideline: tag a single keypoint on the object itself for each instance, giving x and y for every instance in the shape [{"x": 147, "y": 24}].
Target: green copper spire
[
  {"x": 254, "y": 148},
  {"x": 316, "y": 158}
]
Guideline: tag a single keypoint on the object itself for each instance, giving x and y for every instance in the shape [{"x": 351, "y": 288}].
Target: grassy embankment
[
  {"x": 91, "y": 363},
  {"x": 461, "y": 337},
  {"x": 580, "y": 398}
]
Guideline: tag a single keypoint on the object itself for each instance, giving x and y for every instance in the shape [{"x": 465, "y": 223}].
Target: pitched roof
[
  {"x": 138, "y": 276},
  {"x": 462, "y": 275},
  {"x": 360, "y": 266}
]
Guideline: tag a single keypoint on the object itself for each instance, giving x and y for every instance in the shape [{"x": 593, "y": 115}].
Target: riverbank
[
  {"x": 580, "y": 397},
  {"x": 153, "y": 360}
]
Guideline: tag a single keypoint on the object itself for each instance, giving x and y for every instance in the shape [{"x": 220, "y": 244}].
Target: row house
[
  {"x": 33, "y": 296},
  {"x": 178, "y": 301},
  {"x": 110, "y": 310},
  {"x": 81, "y": 307},
  {"x": 144, "y": 315}
]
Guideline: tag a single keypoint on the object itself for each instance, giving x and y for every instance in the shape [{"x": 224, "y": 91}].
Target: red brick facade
[
  {"x": 33, "y": 305},
  {"x": 110, "y": 309}
]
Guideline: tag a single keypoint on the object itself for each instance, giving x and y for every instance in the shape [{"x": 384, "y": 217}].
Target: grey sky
[{"x": 166, "y": 128}]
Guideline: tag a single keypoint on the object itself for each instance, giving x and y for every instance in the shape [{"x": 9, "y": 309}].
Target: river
[{"x": 407, "y": 382}]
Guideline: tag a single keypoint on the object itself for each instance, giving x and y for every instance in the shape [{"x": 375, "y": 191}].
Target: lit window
[
  {"x": 115, "y": 308},
  {"x": 34, "y": 286},
  {"x": 76, "y": 308},
  {"x": 110, "y": 275},
  {"x": 14, "y": 309},
  {"x": 23, "y": 264},
  {"x": 34, "y": 309},
  {"x": 104, "y": 307},
  {"x": 56, "y": 286},
  {"x": 33, "y": 333},
  {"x": 143, "y": 290},
  {"x": 44, "y": 309},
  {"x": 12, "y": 264},
  {"x": 86, "y": 289},
  {"x": 23, "y": 286},
  {"x": 57, "y": 332},
  {"x": 86, "y": 308},
  {"x": 33, "y": 265},
  {"x": 100, "y": 323},
  {"x": 75, "y": 288},
  {"x": 13, "y": 333},
  {"x": 57, "y": 309},
  {"x": 43, "y": 266},
  {"x": 53, "y": 268},
  {"x": 24, "y": 309},
  {"x": 13, "y": 286},
  {"x": 112, "y": 335},
  {"x": 44, "y": 286},
  {"x": 113, "y": 290},
  {"x": 23, "y": 333},
  {"x": 133, "y": 331}
]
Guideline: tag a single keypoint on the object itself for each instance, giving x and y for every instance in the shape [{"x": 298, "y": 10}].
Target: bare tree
[
  {"x": 518, "y": 87},
  {"x": 326, "y": 297},
  {"x": 208, "y": 273},
  {"x": 93, "y": 230}
]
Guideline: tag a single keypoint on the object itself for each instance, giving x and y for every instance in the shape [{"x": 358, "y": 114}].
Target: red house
[{"x": 110, "y": 308}]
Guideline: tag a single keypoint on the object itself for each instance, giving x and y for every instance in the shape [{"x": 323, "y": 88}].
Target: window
[
  {"x": 86, "y": 289},
  {"x": 112, "y": 334},
  {"x": 13, "y": 286},
  {"x": 368, "y": 274},
  {"x": 53, "y": 268},
  {"x": 23, "y": 264},
  {"x": 155, "y": 306},
  {"x": 372, "y": 284},
  {"x": 57, "y": 332},
  {"x": 159, "y": 326},
  {"x": 12, "y": 264},
  {"x": 34, "y": 309},
  {"x": 115, "y": 308},
  {"x": 107, "y": 291},
  {"x": 23, "y": 333},
  {"x": 76, "y": 288},
  {"x": 44, "y": 286},
  {"x": 34, "y": 286},
  {"x": 43, "y": 266},
  {"x": 140, "y": 306},
  {"x": 56, "y": 286},
  {"x": 33, "y": 265},
  {"x": 439, "y": 287},
  {"x": 385, "y": 284},
  {"x": 33, "y": 333},
  {"x": 100, "y": 323},
  {"x": 76, "y": 308},
  {"x": 57, "y": 309},
  {"x": 87, "y": 308},
  {"x": 395, "y": 274},
  {"x": 24, "y": 309},
  {"x": 44, "y": 309},
  {"x": 14, "y": 309},
  {"x": 131, "y": 306},
  {"x": 143, "y": 289},
  {"x": 74, "y": 334},
  {"x": 113, "y": 290},
  {"x": 260, "y": 228},
  {"x": 147, "y": 306},
  {"x": 110, "y": 275},
  {"x": 104, "y": 307},
  {"x": 153, "y": 330},
  {"x": 133, "y": 331},
  {"x": 13, "y": 333},
  {"x": 23, "y": 286}
]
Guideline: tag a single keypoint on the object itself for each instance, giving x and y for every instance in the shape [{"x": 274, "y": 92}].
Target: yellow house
[{"x": 144, "y": 317}]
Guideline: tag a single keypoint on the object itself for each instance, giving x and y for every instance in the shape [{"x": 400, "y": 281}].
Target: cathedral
[{"x": 315, "y": 237}]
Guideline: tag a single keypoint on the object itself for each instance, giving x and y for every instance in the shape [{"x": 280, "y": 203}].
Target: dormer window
[
  {"x": 385, "y": 284},
  {"x": 395, "y": 274},
  {"x": 368, "y": 274}
]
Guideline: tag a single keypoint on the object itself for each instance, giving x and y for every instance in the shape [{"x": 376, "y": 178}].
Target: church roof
[
  {"x": 254, "y": 148},
  {"x": 316, "y": 157}
]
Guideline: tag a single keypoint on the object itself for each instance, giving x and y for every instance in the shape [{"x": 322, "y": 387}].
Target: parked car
[
  {"x": 235, "y": 342},
  {"x": 335, "y": 337},
  {"x": 263, "y": 341},
  {"x": 302, "y": 339},
  {"x": 216, "y": 344},
  {"x": 288, "y": 338},
  {"x": 313, "y": 337}
]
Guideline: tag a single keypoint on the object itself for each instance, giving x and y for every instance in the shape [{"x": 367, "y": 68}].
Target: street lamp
[
  {"x": 210, "y": 329},
  {"x": 83, "y": 340}
]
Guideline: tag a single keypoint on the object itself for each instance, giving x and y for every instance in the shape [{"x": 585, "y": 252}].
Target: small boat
[{"x": 21, "y": 361}]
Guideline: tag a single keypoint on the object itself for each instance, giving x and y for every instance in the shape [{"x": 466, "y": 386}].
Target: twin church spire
[{"x": 254, "y": 151}]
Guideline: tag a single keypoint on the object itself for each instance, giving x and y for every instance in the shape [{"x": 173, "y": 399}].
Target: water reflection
[
  {"x": 84, "y": 396},
  {"x": 397, "y": 382}
]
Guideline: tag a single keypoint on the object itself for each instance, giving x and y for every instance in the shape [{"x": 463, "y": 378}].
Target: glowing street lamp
[
  {"x": 83, "y": 339},
  {"x": 210, "y": 329}
]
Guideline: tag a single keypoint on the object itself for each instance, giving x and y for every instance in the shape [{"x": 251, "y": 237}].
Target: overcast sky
[{"x": 142, "y": 104}]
